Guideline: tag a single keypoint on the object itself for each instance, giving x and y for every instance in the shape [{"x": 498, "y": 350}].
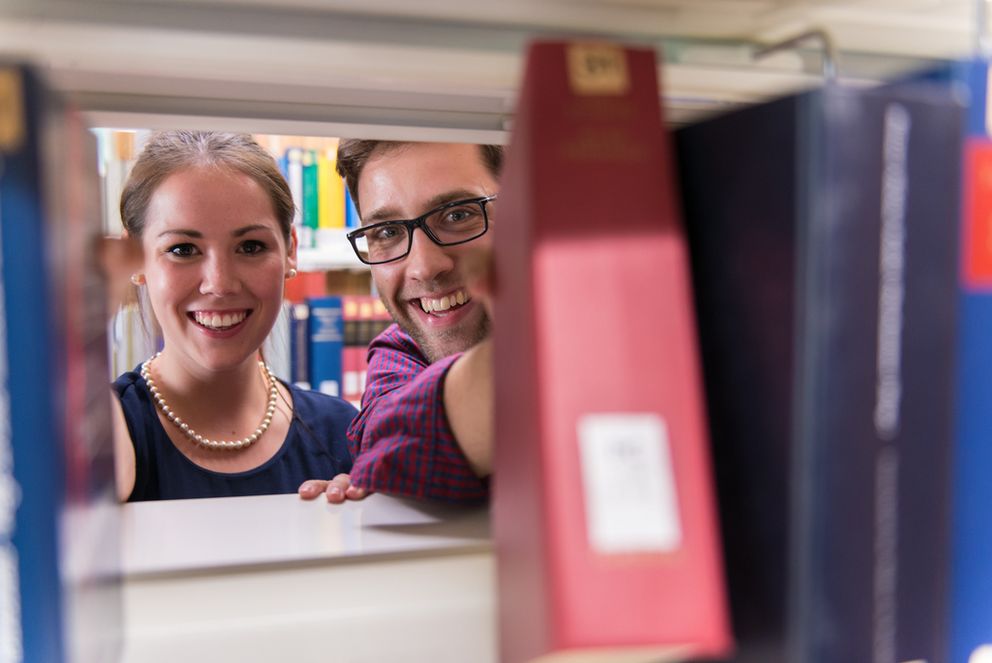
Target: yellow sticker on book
[
  {"x": 11, "y": 110},
  {"x": 597, "y": 69}
]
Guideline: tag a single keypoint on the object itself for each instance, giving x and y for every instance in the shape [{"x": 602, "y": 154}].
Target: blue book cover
[
  {"x": 59, "y": 559},
  {"x": 326, "y": 325},
  {"x": 824, "y": 275},
  {"x": 351, "y": 212},
  {"x": 971, "y": 602},
  {"x": 970, "y": 613}
]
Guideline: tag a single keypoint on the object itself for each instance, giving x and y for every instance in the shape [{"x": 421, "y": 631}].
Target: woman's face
[{"x": 215, "y": 263}]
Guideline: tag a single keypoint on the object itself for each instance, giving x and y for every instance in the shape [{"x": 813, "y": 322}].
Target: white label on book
[
  {"x": 629, "y": 486},
  {"x": 981, "y": 655}
]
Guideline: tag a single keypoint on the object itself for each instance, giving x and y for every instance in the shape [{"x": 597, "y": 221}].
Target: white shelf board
[{"x": 334, "y": 252}]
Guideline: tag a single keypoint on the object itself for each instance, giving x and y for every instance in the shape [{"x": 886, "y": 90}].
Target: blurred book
[
  {"x": 821, "y": 230},
  {"x": 604, "y": 514},
  {"x": 59, "y": 521},
  {"x": 326, "y": 348},
  {"x": 351, "y": 212},
  {"x": 299, "y": 344},
  {"x": 971, "y": 564},
  {"x": 310, "y": 199},
  {"x": 294, "y": 177}
]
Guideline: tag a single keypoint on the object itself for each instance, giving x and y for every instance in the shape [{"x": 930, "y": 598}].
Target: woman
[{"x": 205, "y": 417}]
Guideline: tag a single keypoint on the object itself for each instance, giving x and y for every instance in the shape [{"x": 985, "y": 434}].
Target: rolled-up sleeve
[{"x": 402, "y": 441}]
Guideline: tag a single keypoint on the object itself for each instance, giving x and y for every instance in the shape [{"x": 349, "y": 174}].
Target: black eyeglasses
[{"x": 446, "y": 225}]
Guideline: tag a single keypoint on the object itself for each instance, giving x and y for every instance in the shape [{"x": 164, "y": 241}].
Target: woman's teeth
[
  {"x": 444, "y": 303},
  {"x": 219, "y": 320}
]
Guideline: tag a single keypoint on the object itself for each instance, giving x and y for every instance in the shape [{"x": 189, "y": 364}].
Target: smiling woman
[{"x": 206, "y": 416}]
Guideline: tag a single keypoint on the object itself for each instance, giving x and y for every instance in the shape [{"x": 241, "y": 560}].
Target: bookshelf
[
  {"x": 311, "y": 581},
  {"x": 334, "y": 253}
]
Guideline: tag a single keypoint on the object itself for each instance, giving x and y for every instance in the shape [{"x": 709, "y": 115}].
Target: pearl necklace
[{"x": 196, "y": 437}]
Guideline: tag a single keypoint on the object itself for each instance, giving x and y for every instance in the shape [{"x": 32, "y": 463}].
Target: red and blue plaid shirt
[{"x": 401, "y": 441}]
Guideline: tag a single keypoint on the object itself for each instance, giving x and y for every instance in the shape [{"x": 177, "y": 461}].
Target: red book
[
  {"x": 351, "y": 358},
  {"x": 604, "y": 509},
  {"x": 306, "y": 285},
  {"x": 367, "y": 331}
]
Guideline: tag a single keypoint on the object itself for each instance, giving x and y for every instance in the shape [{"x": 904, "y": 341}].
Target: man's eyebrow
[{"x": 391, "y": 214}]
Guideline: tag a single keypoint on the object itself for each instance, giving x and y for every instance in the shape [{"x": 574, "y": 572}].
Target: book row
[
  {"x": 322, "y": 200},
  {"x": 329, "y": 339},
  {"x": 741, "y": 396}
]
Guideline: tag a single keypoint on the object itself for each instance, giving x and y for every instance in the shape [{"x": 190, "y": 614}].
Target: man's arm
[
  {"x": 468, "y": 402},
  {"x": 402, "y": 440}
]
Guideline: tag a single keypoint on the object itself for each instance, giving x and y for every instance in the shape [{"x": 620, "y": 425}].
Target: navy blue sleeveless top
[{"x": 315, "y": 448}]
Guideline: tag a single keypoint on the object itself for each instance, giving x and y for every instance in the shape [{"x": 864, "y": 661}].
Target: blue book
[
  {"x": 299, "y": 345},
  {"x": 351, "y": 212},
  {"x": 59, "y": 538},
  {"x": 824, "y": 260},
  {"x": 971, "y": 598},
  {"x": 326, "y": 325},
  {"x": 971, "y": 563}
]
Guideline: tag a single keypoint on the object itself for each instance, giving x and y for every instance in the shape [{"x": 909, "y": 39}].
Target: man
[{"x": 427, "y": 211}]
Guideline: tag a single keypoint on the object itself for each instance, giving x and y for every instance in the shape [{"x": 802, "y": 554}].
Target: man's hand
[{"x": 337, "y": 489}]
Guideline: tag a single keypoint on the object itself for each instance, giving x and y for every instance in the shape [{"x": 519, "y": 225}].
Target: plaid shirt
[{"x": 401, "y": 441}]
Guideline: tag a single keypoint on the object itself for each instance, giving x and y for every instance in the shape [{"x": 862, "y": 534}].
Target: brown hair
[
  {"x": 170, "y": 151},
  {"x": 354, "y": 153}
]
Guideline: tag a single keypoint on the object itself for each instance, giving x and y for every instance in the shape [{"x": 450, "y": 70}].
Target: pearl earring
[
  {"x": 291, "y": 273},
  {"x": 138, "y": 279}
]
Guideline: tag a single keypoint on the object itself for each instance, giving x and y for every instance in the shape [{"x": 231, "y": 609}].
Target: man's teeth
[
  {"x": 219, "y": 321},
  {"x": 444, "y": 303}
]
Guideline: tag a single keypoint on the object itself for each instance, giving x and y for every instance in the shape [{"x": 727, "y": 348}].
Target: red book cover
[
  {"x": 604, "y": 510},
  {"x": 351, "y": 359},
  {"x": 368, "y": 329}
]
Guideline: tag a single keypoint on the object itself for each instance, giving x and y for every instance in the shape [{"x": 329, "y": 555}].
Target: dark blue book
[
  {"x": 824, "y": 259},
  {"x": 59, "y": 538},
  {"x": 326, "y": 325},
  {"x": 299, "y": 345}
]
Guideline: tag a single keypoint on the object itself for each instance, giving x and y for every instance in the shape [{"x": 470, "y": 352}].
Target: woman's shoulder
[{"x": 126, "y": 381}]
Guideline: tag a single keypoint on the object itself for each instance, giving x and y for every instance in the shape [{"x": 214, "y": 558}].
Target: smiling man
[{"x": 428, "y": 213}]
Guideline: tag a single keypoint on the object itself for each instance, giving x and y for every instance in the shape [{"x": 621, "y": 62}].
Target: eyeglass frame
[{"x": 420, "y": 222}]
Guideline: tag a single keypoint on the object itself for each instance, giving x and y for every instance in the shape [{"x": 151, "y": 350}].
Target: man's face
[{"x": 426, "y": 292}]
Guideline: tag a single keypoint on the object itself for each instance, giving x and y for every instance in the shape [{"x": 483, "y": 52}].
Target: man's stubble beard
[{"x": 445, "y": 343}]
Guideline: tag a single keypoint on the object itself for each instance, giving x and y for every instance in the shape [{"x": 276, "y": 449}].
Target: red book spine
[
  {"x": 367, "y": 332},
  {"x": 604, "y": 510},
  {"x": 351, "y": 353}
]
